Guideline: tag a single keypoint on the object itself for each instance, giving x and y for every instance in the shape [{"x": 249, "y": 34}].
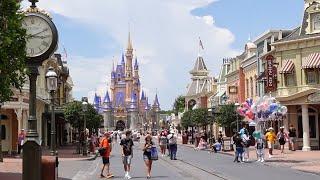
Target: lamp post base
[{"x": 31, "y": 163}]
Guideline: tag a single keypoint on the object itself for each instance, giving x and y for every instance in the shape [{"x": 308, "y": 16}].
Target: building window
[
  {"x": 312, "y": 127},
  {"x": 256, "y": 85},
  {"x": 290, "y": 79},
  {"x": 316, "y": 22},
  {"x": 3, "y": 132},
  {"x": 311, "y": 77},
  {"x": 251, "y": 87},
  {"x": 247, "y": 87}
]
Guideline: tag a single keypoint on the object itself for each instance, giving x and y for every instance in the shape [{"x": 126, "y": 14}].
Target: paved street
[{"x": 191, "y": 165}]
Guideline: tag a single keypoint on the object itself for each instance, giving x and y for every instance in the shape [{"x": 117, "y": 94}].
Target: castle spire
[
  {"x": 136, "y": 65},
  {"x": 129, "y": 42},
  {"x": 122, "y": 59}
]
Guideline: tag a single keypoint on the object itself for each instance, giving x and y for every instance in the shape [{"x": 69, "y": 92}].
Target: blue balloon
[{"x": 273, "y": 107}]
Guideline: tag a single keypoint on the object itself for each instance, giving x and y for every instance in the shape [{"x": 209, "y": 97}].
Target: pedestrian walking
[
  {"x": 163, "y": 143},
  {"x": 270, "y": 138},
  {"x": 147, "y": 154},
  {"x": 292, "y": 137},
  {"x": 172, "y": 138},
  {"x": 259, "y": 145},
  {"x": 239, "y": 148},
  {"x": 282, "y": 138},
  {"x": 246, "y": 141},
  {"x": 21, "y": 139},
  {"x": 105, "y": 154},
  {"x": 127, "y": 153}
]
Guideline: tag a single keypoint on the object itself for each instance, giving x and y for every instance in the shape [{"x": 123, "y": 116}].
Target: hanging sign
[{"x": 270, "y": 73}]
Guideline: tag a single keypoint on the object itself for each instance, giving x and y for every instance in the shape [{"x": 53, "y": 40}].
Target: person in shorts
[
  {"x": 127, "y": 153},
  {"x": 147, "y": 154},
  {"x": 282, "y": 138},
  {"x": 106, "y": 156},
  {"x": 163, "y": 143},
  {"x": 292, "y": 137},
  {"x": 270, "y": 138}
]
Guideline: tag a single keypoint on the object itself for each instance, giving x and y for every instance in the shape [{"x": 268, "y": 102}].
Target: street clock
[{"x": 42, "y": 35}]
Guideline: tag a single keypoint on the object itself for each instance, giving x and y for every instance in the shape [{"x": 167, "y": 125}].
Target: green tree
[
  {"x": 179, "y": 105},
  {"x": 227, "y": 116},
  {"x": 186, "y": 120},
  {"x": 75, "y": 116},
  {"x": 12, "y": 48},
  {"x": 200, "y": 117}
]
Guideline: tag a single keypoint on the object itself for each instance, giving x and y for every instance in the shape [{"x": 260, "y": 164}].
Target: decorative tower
[
  {"x": 128, "y": 71},
  {"x": 108, "y": 122},
  {"x": 132, "y": 120},
  {"x": 96, "y": 102},
  {"x": 155, "y": 113}
]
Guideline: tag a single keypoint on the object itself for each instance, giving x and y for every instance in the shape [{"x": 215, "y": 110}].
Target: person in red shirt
[{"x": 106, "y": 156}]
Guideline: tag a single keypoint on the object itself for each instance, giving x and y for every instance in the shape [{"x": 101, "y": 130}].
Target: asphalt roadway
[{"x": 191, "y": 164}]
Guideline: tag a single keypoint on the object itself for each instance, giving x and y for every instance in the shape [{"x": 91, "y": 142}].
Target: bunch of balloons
[{"x": 265, "y": 108}]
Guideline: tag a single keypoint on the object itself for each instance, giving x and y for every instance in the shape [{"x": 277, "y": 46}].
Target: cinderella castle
[{"x": 127, "y": 106}]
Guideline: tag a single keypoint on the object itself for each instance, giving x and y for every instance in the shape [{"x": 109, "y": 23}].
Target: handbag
[
  {"x": 154, "y": 154},
  {"x": 102, "y": 151}
]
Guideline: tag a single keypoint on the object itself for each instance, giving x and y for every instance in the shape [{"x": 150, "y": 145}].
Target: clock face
[{"x": 40, "y": 36}]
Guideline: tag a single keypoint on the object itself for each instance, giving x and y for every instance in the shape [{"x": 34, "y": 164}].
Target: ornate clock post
[{"x": 41, "y": 44}]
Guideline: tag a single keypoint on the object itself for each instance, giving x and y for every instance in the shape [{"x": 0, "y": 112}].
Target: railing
[{"x": 287, "y": 91}]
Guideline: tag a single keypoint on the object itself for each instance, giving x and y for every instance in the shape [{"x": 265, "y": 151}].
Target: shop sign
[
  {"x": 315, "y": 97},
  {"x": 233, "y": 89},
  {"x": 270, "y": 73}
]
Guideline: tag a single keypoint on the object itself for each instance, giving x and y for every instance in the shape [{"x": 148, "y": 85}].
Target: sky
[{"x": 165, "y": 35}]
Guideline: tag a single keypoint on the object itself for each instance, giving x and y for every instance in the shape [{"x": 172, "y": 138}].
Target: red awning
[
  {"x": 312, "y": 61},
  {"x": 288, "y": 67}
]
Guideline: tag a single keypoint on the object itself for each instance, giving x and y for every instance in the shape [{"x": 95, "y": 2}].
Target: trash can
[
  {"x": 227, "y": 144},
  {"x": 49, "y": 167},
  {"x": 184, "y": 139}
]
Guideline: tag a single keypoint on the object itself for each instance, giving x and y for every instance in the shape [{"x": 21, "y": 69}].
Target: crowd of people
[
  {"x": 242, "y": 140},
  {"x": 167, "y": 139}
]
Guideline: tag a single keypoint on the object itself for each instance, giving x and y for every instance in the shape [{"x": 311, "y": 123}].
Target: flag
[{"x": 200, "y": 44}]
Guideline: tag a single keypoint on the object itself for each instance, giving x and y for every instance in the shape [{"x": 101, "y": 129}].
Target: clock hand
[
  {"x": 41, "y": 37},
  {"x": 39, "y": 32}
]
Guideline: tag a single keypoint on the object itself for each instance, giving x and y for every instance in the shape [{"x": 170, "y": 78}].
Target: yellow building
[{"x": 298, "y": 74}]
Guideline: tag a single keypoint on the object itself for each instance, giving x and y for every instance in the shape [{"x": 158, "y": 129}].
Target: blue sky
[{"x": 165, "y": 35}]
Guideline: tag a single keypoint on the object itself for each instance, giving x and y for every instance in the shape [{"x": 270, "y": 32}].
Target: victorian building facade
[
  {"x": 298, "y": 87},
  {"x": 15, "y": 112}
]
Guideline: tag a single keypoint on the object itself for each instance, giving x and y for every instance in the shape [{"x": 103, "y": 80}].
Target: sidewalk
[
  {"x": 299, "y": 160},
  {"x": 11, "y": 168}
]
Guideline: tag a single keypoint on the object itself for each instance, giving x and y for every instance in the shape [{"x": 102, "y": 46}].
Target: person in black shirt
[
  {"x": 147, "y": 154},
  {"x": 127, "y": 153},
  {"x": 292, "y": 137},
  {"x": 239, "y": 147}
]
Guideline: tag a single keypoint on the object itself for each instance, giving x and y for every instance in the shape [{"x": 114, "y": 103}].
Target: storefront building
[{"x": 298, "y": 77}]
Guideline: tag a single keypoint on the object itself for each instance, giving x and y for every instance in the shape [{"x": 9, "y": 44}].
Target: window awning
[
  {"x": 312, "y": 61},
  {"x": 288, "y": 67}
]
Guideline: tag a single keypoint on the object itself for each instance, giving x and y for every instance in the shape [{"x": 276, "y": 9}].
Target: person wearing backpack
[
  {"x": 105, "y": 154},
  {"x": 282, "y": 138}
]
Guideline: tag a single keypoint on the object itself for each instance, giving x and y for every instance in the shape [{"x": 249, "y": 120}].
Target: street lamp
[
  {"x": 237, "y": 105},
  {"x": 52, "y": 85},
  {"x": 84, "y": 109}
]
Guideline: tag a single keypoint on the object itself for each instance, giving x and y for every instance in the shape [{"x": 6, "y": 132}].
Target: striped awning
[
  {"x": 288, "y": 67},
  {"x": 312, "y": 61}
]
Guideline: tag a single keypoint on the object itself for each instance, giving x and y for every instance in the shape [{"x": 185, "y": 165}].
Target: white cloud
[{"x": 165, "y": 35}]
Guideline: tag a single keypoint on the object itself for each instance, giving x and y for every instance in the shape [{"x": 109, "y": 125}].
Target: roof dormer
[{"x": 313, "y": 17}]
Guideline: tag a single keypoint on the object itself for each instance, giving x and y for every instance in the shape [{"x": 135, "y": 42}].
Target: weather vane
[{"x": 33, "y": 3}]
